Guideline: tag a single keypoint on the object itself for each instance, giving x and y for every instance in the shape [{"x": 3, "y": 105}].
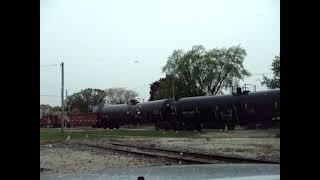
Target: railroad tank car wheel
[
  {"x": 179, "y": 127},
  {"x": 156, "y": 128},
  {"x": 222, "y": 128},
  {"x": 231, "y": 127},
  {"x": 267, "y": 125},
  {"x": 277, "y": 124},
  {"x": 175, "y": 128},
  {"x": 199, "y": 128},
  {"x": 250, "y": 125}
]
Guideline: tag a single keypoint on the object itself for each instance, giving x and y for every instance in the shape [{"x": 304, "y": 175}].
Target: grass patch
[{"x": 56, "y": 135}]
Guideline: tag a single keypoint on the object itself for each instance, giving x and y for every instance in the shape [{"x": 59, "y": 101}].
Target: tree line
[
  {"x": 195, "y": 72},
  {"x": 200, "y": 72},
  {"x": 89, "y": 99}
]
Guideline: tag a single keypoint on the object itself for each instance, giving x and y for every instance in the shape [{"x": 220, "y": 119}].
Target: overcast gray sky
[{"x": 99, "y": 40}]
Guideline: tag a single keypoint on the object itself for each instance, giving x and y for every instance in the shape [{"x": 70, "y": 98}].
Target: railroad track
[{"x": 194, "y": 158}]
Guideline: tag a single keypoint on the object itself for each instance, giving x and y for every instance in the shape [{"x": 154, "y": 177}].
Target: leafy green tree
[
  {"x": 87, "y": 100},
  {"x": 45, "y": 107},
  {"x": 273, "y": 82},
  {"x": 154, "y": 87},
  {"x": 120, "y": 95},
  {"x": 201, "y": 72},
  {"x": 56, "y": 108},
  {"x": 163, "y": 89}
]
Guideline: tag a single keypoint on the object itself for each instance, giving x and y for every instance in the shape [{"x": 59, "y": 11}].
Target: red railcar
[
  {"x": 82, "y": 120},
  {"x": 50, "y": 121},
  {"x": 72, "y": 120}
]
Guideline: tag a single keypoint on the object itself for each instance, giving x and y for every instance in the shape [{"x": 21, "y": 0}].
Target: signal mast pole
[
  {"x": 62, "y": 91},
  {"x": 172, "y": 86}
]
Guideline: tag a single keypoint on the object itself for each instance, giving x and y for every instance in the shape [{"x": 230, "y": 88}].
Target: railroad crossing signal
[{"x": 66, "y": 109}]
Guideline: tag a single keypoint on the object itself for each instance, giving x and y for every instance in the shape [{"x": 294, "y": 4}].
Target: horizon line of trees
[
  {"x": 195, "y": 72},
  {"x": 90, "y": 99},
  {"x": 200, "y": 72}
]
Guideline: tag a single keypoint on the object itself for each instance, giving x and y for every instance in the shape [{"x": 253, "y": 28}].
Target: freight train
[{"x": 242, "y": 108}]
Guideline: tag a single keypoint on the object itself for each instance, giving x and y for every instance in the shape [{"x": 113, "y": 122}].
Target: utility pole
[
  {"x": 88, "y": 103},
  {"x": 67, "y": 98},
  {"x": 172, "y": 87},
  {"x": 48, "y": 120},
  {"x": 65, "y": 124},
  {"x": 62, "y": 90}
]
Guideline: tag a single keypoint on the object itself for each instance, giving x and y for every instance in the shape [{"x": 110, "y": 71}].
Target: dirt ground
[
  {"x": 253, "y": 144},
  {"x": 62, "y": 159},
  {"x": 254, "y": 148}
]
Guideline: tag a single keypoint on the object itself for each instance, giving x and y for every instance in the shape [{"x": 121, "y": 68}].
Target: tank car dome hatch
[
  {"x": 134, "y": 101},
  {"x": 246, "y": 92},
  {"x": 238, "y": 90}
]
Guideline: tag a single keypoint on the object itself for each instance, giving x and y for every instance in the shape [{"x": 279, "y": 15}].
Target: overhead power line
[
  {"x": 49, "y": 95},
  {"x": 49, "y": 65},
  {"x": 262, "y": 74}
]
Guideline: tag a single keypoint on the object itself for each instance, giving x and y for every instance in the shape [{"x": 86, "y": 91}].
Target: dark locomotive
[{"x": 248, "y": 109}]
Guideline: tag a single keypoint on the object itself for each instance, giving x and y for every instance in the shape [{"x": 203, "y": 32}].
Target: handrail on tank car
[{"x": 244, "y": 90}]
